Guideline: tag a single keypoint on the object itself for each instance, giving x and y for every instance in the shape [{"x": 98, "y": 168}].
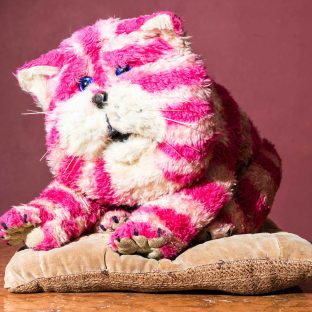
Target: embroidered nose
[{"x": 100, "y": 99}]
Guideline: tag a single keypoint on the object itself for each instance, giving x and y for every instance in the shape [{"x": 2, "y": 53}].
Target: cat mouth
[{"x": 114, "y": 134}]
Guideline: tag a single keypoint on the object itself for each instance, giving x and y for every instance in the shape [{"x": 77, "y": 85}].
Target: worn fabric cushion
[{"x": 242, "y": 264}]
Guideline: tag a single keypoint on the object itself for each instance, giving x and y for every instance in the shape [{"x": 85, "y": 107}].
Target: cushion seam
[{"x": 293, "y": 261}]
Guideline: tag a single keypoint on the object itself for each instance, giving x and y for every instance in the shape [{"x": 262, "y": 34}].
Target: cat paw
[
  {"x": 112, "y": 220},
  {"x": 16, "y": 223},
  {"x": 52, "y": 234},
  {"x": 140, "y": 237}
]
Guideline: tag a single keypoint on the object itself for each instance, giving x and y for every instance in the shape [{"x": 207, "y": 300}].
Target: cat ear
[
  {"x": 163, "y": 22},
  {"x": 35, "y": 81}
]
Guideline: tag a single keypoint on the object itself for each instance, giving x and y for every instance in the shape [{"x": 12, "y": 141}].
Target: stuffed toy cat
[{"x": 142, "y": 144}]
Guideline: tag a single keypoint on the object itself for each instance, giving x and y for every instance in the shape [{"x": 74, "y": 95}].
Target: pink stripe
[
  {"x": 12, "y": 218},
  {"x": 70, "y": 171},
  {"x": 252, "y": 202},
  {"x": 136, "y": 55},
  {"x": 232, "y": 117},
  {"x": 183, "y": 178},
  {"x": 189, "y": 152},
  {"x": 190, "y": 111},
  {"x": 71, "y": 228},
  {"x": 50, "y": 240},
  {"x": 211, "y": 195},
  {"x": 179, "y": 224},
  {"x": 45, "y": 215},
  {"x": 95, "y": 209},
  {"x": 52, "y": 106},
  {"x": 65, "y": 199},
  {"x": 268, "y": 165},
  {"x": 90, "y": 40},
  {"x": 171, "y": 79},
  {"x": 99, "y": 75},
  {"x": 68, "y": 84},
  {"x": 130, "y": 25},
  {"x": 52, "y": 137},
  {"x": 262, "y": 211},
  {"x": 55, "y": 57},
  {"x": 104, "y": 188},
  {"x": 169, "y": 251},
  {"x": 221, "y": 155}
]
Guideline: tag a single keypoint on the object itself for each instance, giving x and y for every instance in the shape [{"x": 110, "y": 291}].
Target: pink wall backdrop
[{"x": 260, "y": 50}]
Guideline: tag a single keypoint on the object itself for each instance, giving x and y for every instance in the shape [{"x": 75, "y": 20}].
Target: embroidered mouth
[{"x": 114, "y": 134}]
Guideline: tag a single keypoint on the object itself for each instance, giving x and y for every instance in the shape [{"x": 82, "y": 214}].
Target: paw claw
[
  {"x": 142, "y": 243},
  {"x": 155, "y": 254},
  {"x": 111, "y": 220},
  {"x": 126, "y": 246},
  {"x": 157, "y": 242},
  {"x": 5, "y": 227},
  {"x": 141, "y": 238},
  {"x": 115, "y": 219},
  {"x": 25, "y": 218}
]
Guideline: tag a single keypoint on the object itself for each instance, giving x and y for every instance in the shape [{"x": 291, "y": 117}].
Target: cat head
[{"x": 121, "y": 78}]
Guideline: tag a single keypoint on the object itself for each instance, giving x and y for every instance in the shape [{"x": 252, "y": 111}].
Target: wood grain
[{"x": 296, "y": 299}]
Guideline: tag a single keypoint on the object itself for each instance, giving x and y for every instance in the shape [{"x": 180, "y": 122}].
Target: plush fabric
[
  {"x": 142, "y": 144},
  {"x": 241, "y": 264}
]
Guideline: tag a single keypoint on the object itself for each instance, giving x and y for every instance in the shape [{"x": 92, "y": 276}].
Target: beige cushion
[{"x": 242, "y": 264}]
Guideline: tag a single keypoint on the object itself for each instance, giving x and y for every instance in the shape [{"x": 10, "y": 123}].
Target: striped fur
[{"x": 193, "y": 162}]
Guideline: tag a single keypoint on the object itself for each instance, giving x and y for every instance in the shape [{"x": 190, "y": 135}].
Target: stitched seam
[{"x": 308, "y": 262}]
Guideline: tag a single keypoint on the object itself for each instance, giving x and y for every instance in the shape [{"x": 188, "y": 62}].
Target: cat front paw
[
  {"x": 16, "y": 223},
  {"x": 111, "y": 220},
  {"x": 144, "y": 238}
]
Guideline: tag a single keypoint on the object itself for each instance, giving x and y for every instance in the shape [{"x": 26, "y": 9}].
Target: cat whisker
[
  {"x": 166, "y": 110},
  {"x": 74, "y": 166},
  {"x": 175, "y": 150},
  {"x": 184, "y": 124},
  {"x": 70, "y": 162},
  {"x": 169, "y": 110},
  {"x": 193, "y": 148},
  {"x": 33, "y": 112},
  {"x": 44, "y": 155}
]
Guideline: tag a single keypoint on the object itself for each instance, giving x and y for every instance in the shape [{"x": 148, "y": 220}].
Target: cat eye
[
  {"x": 84, "y": 82},
  {"x": 120, "y": 70}
]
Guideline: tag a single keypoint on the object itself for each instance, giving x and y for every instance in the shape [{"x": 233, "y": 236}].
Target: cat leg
[
  {"x": 253, "y": 197},
  {"x": 61, "y": 213},
  {"x": 164, "y": 227}
]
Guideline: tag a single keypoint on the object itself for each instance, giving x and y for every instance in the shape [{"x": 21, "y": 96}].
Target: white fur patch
[
  {"x": 34, "y": 80},
  {"x": 132, "y": 110},
  {"x": 140, "y": 180},
  {"x": 160, "y": 21},
  {"x": 81, "y": 125}
]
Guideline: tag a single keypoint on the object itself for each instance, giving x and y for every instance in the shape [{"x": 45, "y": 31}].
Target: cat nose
[{"x": 100, "y": 99}]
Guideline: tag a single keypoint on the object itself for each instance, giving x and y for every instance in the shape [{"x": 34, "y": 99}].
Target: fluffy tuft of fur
[{"x": 150, "y": 148}]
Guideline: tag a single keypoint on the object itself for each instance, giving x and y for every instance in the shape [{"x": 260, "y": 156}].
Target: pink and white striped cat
[{"x": 141, "y": 143}]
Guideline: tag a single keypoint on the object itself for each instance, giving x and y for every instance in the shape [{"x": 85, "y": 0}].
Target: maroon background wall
[{"x": 260, "y": 50}]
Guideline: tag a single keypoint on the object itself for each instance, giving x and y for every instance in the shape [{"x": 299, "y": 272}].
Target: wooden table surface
[{"x": 296, "y": 299}]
